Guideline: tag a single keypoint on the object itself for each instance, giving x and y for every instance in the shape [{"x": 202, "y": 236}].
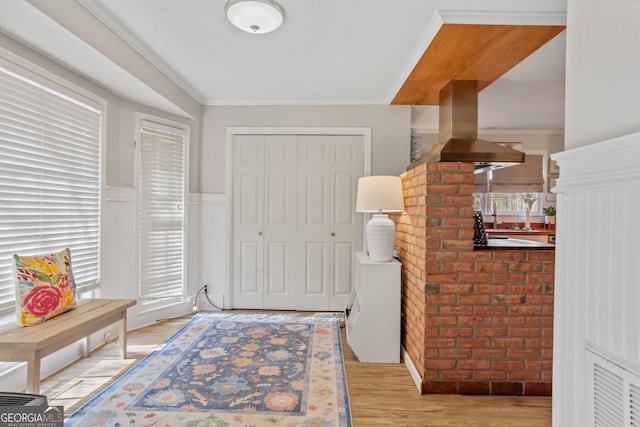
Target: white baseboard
[{"x": 417, "y": 379}]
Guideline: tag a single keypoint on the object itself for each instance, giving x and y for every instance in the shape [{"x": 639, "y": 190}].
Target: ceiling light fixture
[{"x": 255, "y": 16}]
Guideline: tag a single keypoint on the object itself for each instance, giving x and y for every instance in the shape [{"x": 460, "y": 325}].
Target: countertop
[
  {"x": 513, "y": 244},
  {"x": 515, "y": 232}
]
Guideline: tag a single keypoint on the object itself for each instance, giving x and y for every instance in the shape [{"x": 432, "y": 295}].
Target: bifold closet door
[
  {"x": 329, "y": 229},
  {"x": 264, "y": 221}
]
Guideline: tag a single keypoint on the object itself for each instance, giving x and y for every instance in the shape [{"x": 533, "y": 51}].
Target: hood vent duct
[{"x": 458, "y": 130}]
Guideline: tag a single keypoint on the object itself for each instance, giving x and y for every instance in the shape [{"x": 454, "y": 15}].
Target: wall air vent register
[{"x": 616, "y": 392}]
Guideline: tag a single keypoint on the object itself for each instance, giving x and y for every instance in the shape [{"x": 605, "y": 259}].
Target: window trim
[{"x": 170, "y": 125}]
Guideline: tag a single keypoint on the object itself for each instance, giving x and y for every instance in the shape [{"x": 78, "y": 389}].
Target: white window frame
[
  {"x": 51, "y": 82},
  {"x": 168, "y": 125}
]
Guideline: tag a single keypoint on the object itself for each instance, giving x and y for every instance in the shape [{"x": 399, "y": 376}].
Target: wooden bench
[{"x": 32, "y": 343}]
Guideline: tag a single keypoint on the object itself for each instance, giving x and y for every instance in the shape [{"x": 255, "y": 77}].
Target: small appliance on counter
[{"x": 479, "y": 233}]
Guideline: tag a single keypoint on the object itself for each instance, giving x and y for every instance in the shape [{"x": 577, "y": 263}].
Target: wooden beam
[{"x": 470, "y": 52}]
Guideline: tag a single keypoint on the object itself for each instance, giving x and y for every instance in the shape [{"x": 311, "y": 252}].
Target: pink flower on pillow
[{"x": 42, "y": 300}]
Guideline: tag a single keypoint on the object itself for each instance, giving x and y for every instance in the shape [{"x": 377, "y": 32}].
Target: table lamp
[{"x": 377, "y": 194}]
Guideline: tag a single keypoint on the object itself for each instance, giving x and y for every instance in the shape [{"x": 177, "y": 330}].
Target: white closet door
[
  {"x": 264, "y": 221},
  {"x": 329, "y": 229},
  {"x": 280, "y": 176},
  {"x": 248, "y": 221}
]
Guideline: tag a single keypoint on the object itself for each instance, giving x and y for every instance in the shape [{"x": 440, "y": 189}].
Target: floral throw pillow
[{"x": 45, "y": 287}]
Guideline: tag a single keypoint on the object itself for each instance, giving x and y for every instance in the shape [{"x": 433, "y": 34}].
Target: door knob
[
  {"x": 259, "y": 233},
  {"x": 333, "y": 234}
]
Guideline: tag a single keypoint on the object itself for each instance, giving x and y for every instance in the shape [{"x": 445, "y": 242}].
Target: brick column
[{"x": 474, "y": 321}]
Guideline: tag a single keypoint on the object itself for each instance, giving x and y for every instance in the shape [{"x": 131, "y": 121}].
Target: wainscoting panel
[
  {"x": 207, "y": 253},
  {"x": 118, "y": 268},
  {"x": 597, "y": 274}
]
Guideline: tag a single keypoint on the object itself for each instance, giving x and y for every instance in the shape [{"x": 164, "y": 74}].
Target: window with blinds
[
  {"x": 510, "y": 186},
  {"x": 50, "y": 145},
  {"x": 161, "y": 219}
]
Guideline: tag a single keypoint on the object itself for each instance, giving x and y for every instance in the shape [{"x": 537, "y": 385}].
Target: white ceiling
[{"x": 328, "y": 52}]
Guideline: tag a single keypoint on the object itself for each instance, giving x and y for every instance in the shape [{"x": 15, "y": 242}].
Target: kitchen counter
[
  {"x": 517, "y": 231},
  {"x": 537, "y": 235},
  {"x": 493, "y": 244}
]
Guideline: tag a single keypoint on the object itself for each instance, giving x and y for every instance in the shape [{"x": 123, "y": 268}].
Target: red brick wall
[{"x": 474, "y": 321}]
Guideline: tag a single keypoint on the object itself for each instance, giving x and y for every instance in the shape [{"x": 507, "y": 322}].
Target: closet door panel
[
  {"x": 342, "y": 269},
  {"x": 248, "y": 221},
  {"x": 250, "y": 254},
  {"x": 347, "y": 167},
  {"x": 280, "y": 232},
  {"x": 314, "y": 218},
  {"x": 329, "y": 168},
  {"x": 315, "y": 200}
]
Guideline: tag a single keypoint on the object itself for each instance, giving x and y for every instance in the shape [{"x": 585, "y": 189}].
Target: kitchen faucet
[{"x": 495, "y": 216}]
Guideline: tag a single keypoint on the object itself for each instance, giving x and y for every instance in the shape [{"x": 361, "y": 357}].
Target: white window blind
[
  {"x": 49, "y": 176},
  {"x": 523, "y": 178},
  {"x": 161, "y": 211}
]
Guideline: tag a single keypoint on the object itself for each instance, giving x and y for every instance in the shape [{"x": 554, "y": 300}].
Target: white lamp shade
[
  {"x": 255, "y": 16},
  {"x": 379, "y": 194}
]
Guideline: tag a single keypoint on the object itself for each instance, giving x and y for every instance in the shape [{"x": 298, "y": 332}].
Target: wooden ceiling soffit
[{"x": 470, "y": 52}]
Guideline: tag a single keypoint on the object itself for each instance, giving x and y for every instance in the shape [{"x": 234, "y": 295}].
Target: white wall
[
  {"x": 602, "y": 88},
  {"x": 597, "y": 276},
  {"x": 390, "y": 133}
]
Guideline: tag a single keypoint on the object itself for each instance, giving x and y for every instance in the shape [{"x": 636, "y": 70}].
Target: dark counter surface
[
  {"x": 519, "y": 231},
  {"x": 513, "y": 244}
]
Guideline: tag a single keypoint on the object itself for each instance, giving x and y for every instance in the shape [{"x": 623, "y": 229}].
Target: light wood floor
[{"x": 379, "y": 394}]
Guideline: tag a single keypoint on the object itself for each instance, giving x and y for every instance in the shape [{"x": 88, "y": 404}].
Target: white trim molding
[
  {"x": 119, "y": 194},
  {"x": 596, "y": 281},
  {"x": 415, "y": 375},
  {"x": 501, "y": 17},
  {"x": 207, "y": 199},
  {"x": 604, "y": 164}
]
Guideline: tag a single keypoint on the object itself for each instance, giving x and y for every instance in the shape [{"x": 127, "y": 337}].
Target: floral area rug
[{"x": 228, "y": 369}]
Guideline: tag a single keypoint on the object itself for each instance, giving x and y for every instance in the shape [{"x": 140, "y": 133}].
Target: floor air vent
[{"x": 22, "y": 399}]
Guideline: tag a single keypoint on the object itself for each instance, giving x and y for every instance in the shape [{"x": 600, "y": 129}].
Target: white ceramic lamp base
[{"x": 381, "y": 234}]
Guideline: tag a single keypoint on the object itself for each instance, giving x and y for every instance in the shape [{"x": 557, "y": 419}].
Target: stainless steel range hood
[{"x": 458, "y": 130}]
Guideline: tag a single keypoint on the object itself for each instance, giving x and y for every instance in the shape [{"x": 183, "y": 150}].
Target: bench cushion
[{"x": 45, "y": 286}]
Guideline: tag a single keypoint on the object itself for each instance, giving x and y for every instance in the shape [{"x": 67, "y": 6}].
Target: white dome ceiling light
[{"x": 255, "y": 16}]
